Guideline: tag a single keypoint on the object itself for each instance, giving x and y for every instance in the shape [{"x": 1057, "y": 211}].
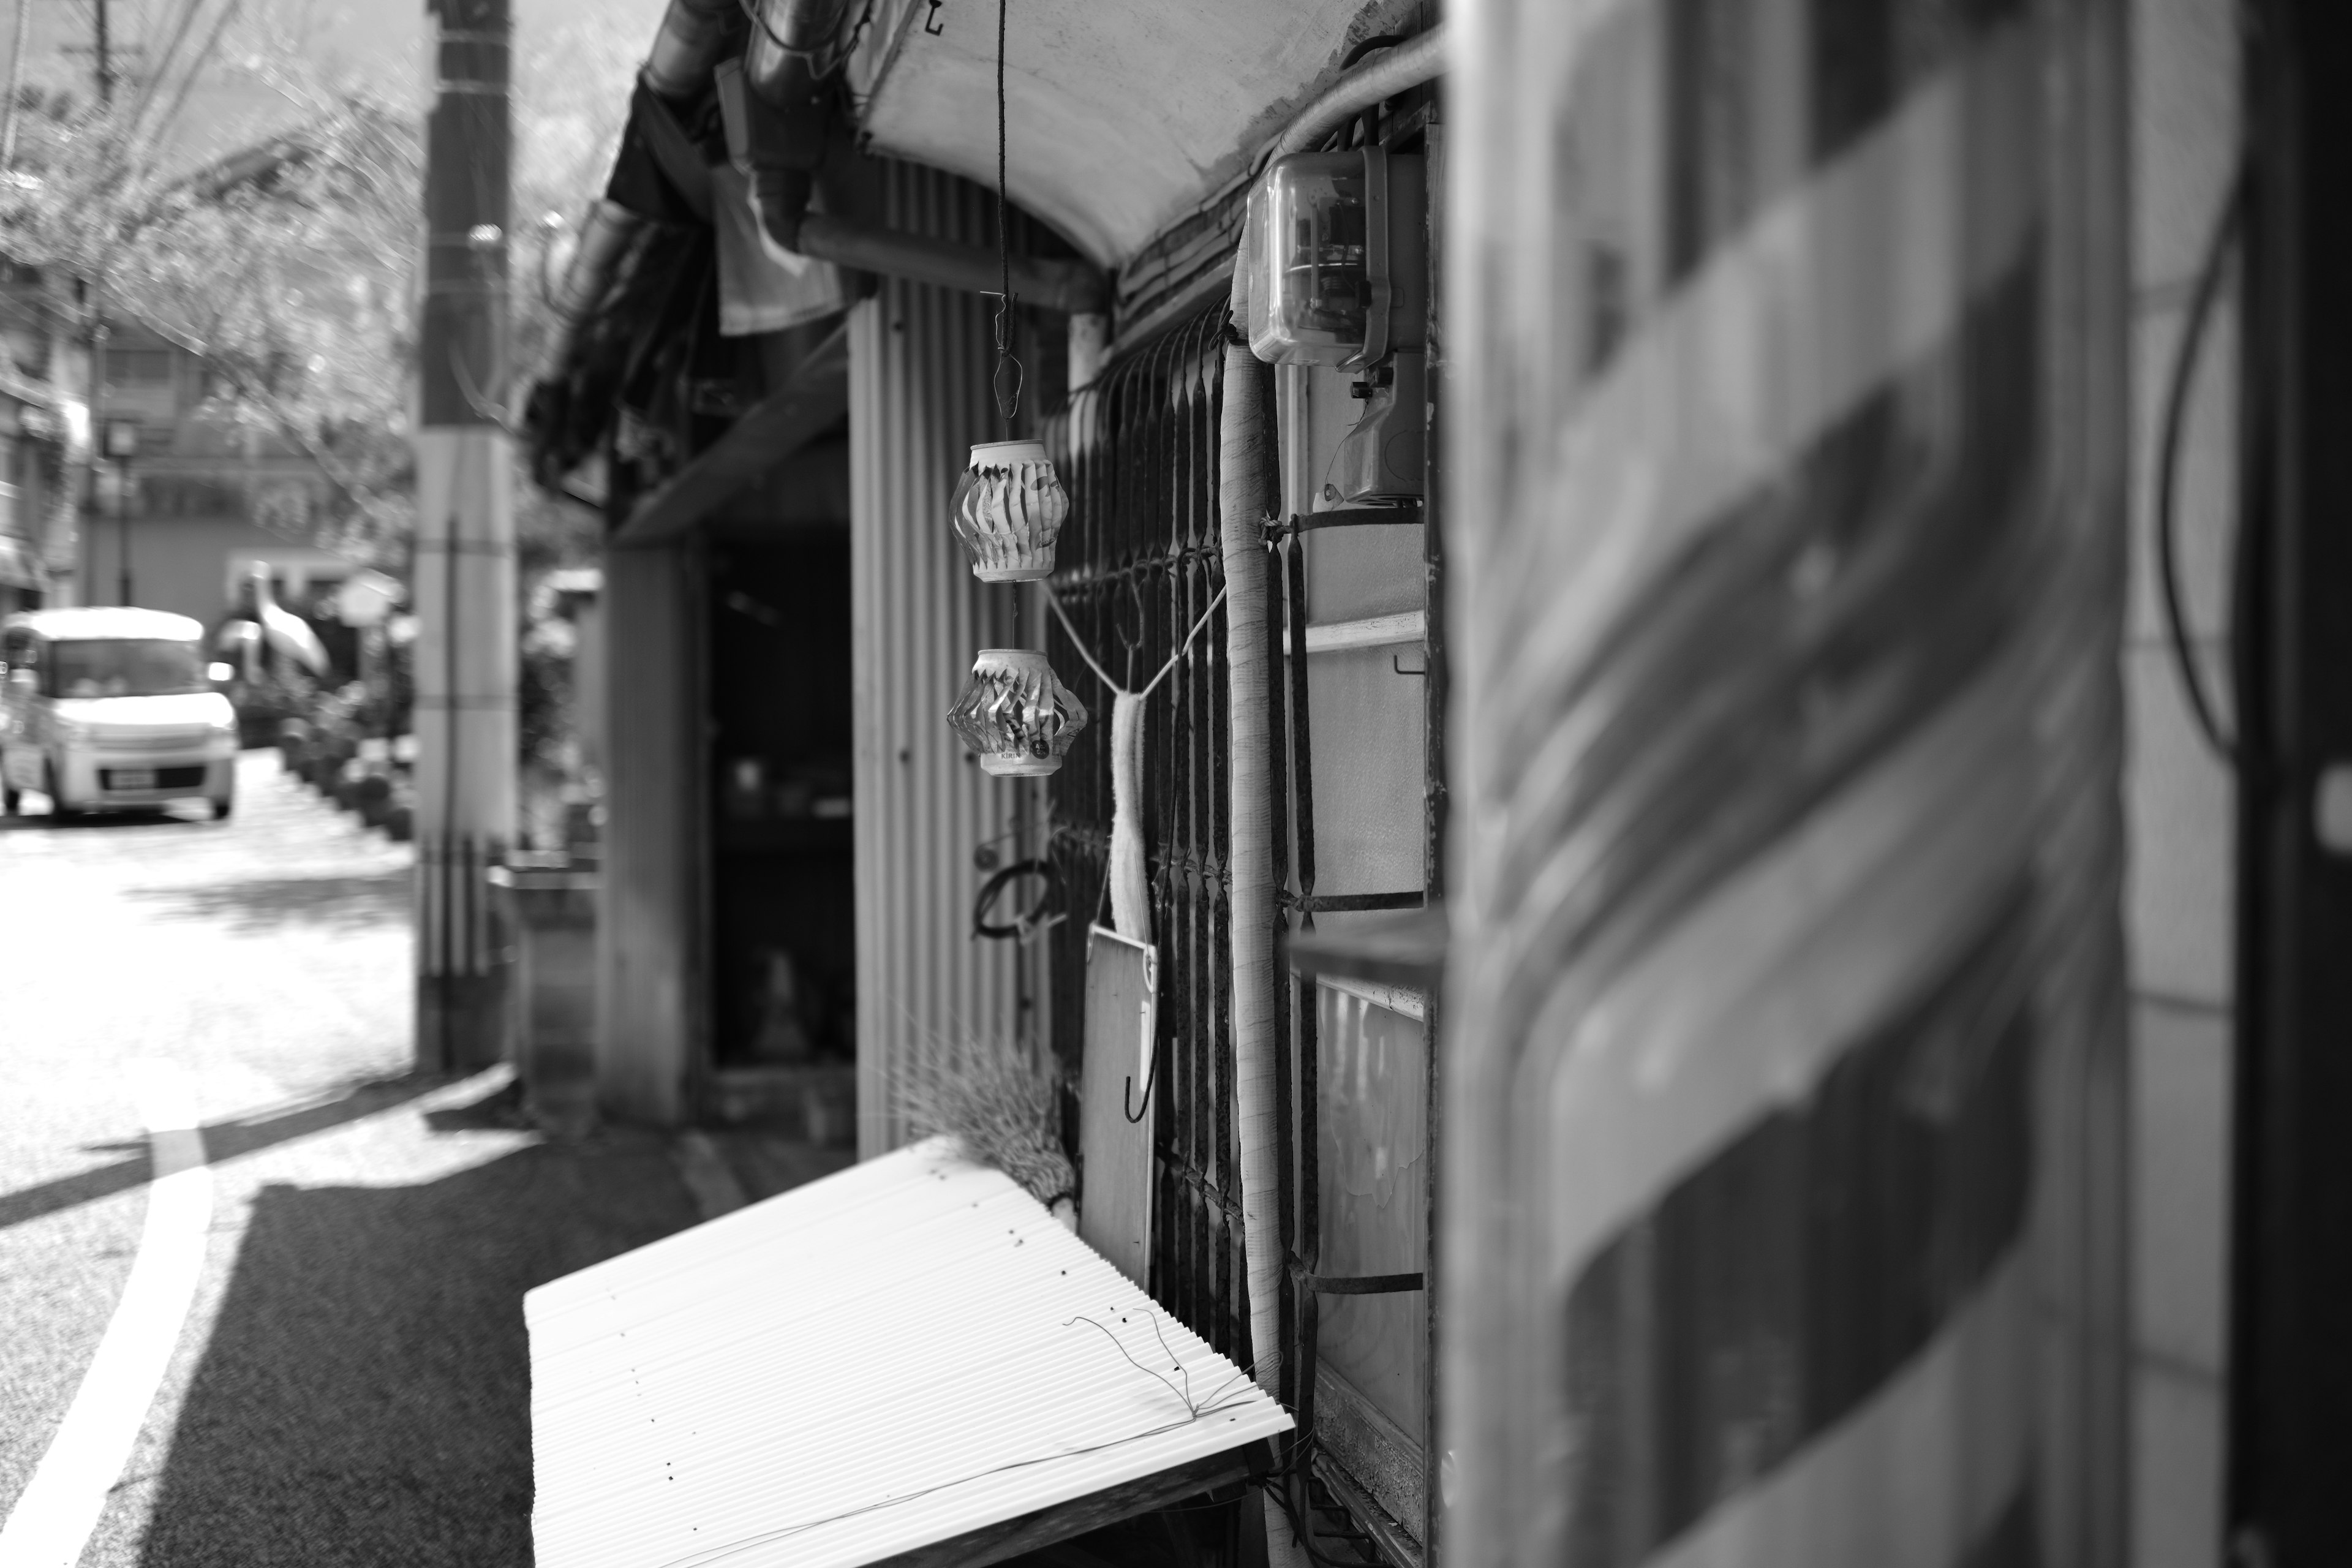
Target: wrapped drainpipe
[
  {"x": 1249, "y": 855},
  {"x": 1242, "y": 508}
]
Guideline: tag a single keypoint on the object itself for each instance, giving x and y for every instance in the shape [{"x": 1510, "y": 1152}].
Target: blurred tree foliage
[{"x": 290, "y": 268}]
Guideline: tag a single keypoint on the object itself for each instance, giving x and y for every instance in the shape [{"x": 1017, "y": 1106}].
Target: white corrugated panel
[{"x": 887, "y": 1358}]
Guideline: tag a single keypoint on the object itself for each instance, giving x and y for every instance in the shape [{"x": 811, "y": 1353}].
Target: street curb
[{"x": 705, "y": 1171}]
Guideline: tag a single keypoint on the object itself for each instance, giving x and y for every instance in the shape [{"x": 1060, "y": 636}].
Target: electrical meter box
[{"x": 1340, "y": 258}]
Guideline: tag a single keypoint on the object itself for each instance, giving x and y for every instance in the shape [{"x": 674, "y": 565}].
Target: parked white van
[{"x": 111, "y": 710}]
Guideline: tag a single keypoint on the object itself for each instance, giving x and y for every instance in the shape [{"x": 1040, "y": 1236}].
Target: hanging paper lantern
[
  {"x": 1015, "y": 714},
  {"x": 1008, "y": 511}
]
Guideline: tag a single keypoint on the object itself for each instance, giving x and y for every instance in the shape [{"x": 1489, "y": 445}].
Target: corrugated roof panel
[{"x": 893, "y": 1357}]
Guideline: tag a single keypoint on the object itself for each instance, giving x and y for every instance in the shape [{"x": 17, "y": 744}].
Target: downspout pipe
[
  {"x": 781, "y": 154},
  {"x": 790, "y": 59},
  {"x": 606, "y": 236},
  {"x": 695, "y": 34},
  {"x": 1419, "y": 59},
  {"x": 1051, "y": 283},
  {"x": 1243, "y": 508},
  {"x": 792, "y": 51}
]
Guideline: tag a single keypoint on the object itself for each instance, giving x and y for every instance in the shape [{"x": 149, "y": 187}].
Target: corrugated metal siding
[
  {"x": 919, "y": 395},
  {"x": 881, "y": 1360}
]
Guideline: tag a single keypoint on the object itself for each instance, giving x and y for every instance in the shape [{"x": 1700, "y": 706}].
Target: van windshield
[{"x": 125, "y": 667}]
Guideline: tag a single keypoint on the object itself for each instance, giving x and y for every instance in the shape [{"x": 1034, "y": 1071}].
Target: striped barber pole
[{"x": 1784, "y": 1219}]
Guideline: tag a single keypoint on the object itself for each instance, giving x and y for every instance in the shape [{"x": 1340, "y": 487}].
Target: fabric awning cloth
[
  {"x": 910, "y": 1362},
  {"x": 763, "y": 288}
]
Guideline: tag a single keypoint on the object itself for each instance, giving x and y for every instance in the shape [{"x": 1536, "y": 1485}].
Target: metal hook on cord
[
  {"x": 1007, "y": 403},
  {"x": 1135, "y": 1112}
]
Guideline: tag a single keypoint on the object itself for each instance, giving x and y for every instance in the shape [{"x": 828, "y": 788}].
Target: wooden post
[
  {"x": 646, "y": 968},
  {"x": 465, "y": 587}
]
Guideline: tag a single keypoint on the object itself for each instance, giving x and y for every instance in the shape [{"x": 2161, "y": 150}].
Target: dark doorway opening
[{"x": 782, "y": 938}]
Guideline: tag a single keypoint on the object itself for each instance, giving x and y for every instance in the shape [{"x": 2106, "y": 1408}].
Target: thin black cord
[
  {"x": 1277, "y": 1487},
  {"x": 2176, "y": 405},
  {"x": 1006, "y": 406},
  {"x": 1007, "y": 403}
]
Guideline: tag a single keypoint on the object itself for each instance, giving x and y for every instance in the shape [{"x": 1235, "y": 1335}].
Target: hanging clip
[{"x": 931, "y": 22}]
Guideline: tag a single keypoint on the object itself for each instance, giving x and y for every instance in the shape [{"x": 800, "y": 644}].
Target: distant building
[
  {"x": 29, "y": 469},
  {"x": 186, "y": 495},
  {"x": 190, "y": 495},
  {"x": 34, "y": 423}
]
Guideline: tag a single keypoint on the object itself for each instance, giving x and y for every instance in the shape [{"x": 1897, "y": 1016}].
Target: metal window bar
[
  {"x": 1298, "y": 1090},
  {"x": 1138, "y": 561}
]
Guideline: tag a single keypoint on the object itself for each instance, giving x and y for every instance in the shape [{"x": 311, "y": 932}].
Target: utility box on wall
[{"x": 1339, "y": 276}]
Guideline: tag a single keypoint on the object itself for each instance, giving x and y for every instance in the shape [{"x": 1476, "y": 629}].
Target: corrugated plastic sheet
[{"x": 887, "y": 1358}]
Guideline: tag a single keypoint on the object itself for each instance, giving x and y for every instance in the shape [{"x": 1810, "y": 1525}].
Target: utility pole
[
  {"x": 16, "y": 88},
  {"x": 104, "y": 59},
  {"x": 465, "y": 587}
]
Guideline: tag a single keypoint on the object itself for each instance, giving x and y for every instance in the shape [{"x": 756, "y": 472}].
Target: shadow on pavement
[
  {"x": 264, "y": 903},
  {"x": 96, "y": 819},
  {"x": 364, "y": 1398},
  {"x": 223, "y": 1141}
]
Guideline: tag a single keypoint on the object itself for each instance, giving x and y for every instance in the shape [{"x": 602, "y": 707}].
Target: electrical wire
[{"x": 2215, "y": 266}]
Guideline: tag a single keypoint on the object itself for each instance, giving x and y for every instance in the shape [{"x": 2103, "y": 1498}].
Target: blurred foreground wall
[
  {"x": 2186, "y": 141},
  {"x": 1786, "y": 1197}
]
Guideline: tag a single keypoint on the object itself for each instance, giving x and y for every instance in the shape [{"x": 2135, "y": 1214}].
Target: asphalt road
[{"x": 350, "y": 1384}]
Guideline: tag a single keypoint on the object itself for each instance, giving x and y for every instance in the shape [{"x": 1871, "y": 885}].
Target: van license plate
[{"x": 135, "y": 778}]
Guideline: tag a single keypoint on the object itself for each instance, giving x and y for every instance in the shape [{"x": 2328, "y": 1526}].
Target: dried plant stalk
[{"x": 1001, "y": 1106}]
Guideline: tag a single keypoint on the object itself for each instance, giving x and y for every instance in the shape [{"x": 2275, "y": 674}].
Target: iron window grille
[{"x": 1140, "y": 560}]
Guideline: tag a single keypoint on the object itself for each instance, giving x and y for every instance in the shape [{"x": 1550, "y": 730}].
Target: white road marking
[{"x": 52, "y": 1519}]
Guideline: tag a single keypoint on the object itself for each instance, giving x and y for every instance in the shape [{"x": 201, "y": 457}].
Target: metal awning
[
  {"x": 1121, "y": 119},
  {"x": 909, "y": 1361}
]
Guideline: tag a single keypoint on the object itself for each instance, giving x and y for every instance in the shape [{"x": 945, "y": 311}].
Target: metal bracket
[
  {"x": 931, "y": 21},
  {"x": 1354, "y": 1284}
]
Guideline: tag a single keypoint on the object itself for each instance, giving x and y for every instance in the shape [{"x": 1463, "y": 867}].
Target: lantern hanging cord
[
  {"x": 1008, "y": 399},
  {"x": 1055, "y": 601}
]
